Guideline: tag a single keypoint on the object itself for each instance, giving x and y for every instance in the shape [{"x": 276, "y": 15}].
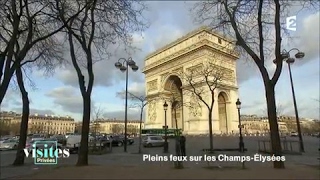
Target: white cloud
[
  {"x": 137, "y": 89},
  {"x": 67, "y": 98},
  {"x": 309, "y": 37}
]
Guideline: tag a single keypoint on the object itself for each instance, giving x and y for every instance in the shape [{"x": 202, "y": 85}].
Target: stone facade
[
  {"x": 254, "y": 124},
  {"x": 111, "y": 126},
  {"x": 48, "y": 124},
  {"x": 166, "y": 67}
]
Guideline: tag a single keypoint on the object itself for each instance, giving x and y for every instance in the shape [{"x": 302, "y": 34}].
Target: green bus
[{"x": 160, "y": 132}]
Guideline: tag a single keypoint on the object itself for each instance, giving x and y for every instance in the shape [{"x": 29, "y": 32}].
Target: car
[
  {"x": 293, "y": 134},
  {"x": 40, "y": 144},
  {"x": 153, "y": 141},
  {"x": 73, "y": 142},
  {"x": 4, "y": 139},
  {"x": 37, "y": 137},
  {"x": 119, "y": 140},
  {"x": 316, "y": 135},
  {"x": 9, "y": 144}
]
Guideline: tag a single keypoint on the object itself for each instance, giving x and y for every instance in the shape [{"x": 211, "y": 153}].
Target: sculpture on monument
[{"x": 211, "y": 75}]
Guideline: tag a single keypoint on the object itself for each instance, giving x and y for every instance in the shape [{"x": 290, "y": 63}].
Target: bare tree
[
  {"x": 101, "y": 24},
  {"x": 202, "y": 80},
  {"x": 4, "y": 126},
  {"x": 97, "y": 112},
  {"x": 257, "y": 26},
  {"x": 26, "y": 26},
  {"x": 132, "y": 129},
  {"x": 279, "y": 110},
  {"x": 35, "y": 129},
  {"x": 27, "y": 34},
  {"x": 14, "y": 128},
  {"x": 138, "y": 102},
  {"x": 117, "y": 128}
]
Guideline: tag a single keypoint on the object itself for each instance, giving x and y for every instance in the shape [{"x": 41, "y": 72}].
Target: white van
[{"x": 73, "y": 142}]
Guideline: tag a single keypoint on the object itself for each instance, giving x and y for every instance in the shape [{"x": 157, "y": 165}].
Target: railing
[{"x": 288, "y": 146}]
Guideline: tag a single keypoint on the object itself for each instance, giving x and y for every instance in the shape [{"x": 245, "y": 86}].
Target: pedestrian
[{"x": 183, "y": 145}]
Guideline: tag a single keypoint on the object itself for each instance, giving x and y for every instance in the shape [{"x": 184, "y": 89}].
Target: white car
[
  {"x": 73, "y": 142},
  {"x": 294, "y": 134},
  {"x": 9, "y": 144},
  {"x": 153, "y": 141}
]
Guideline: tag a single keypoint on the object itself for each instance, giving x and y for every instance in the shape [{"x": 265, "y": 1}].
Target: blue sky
[{"x": 59, "y": 93}]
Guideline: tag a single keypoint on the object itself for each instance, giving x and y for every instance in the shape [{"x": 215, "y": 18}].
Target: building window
[{"x": 219, "y": 41}]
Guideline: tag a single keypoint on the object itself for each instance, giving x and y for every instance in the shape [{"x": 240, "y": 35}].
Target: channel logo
[
  {"x": 46, "y": 152},
  {"x": 291, "y": 23}
]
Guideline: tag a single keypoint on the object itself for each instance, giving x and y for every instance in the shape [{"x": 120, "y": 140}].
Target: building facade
[
  {"x": 113, "y": 126},
  {"x": 254, "y": 124},
  {"x": 46, "y": 124},
  {"x": 165, "y": 72},
  {"x": 260, "y": 125}
]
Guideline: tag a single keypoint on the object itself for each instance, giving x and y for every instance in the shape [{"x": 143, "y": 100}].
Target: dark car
[
  {"x": 104, "y": 141},
  {"x": 119, "y": 140}
]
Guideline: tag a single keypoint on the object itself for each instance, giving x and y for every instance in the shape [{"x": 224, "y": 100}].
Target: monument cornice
[
  {"x": 204, "y": 44},
  {"x": 187, "y": 36},
  {"x": 200, "y": 84}
]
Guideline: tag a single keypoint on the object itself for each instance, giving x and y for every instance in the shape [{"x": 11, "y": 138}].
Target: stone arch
[
  {"x": 168, "y": 80},
  {"x": 173, "y": 84},
  {"x": 223, "y": 116}
]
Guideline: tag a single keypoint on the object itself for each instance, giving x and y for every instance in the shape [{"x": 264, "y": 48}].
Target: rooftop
[
  {"x": 42, "y": 116},
  {"x": 187, "y": 36}
]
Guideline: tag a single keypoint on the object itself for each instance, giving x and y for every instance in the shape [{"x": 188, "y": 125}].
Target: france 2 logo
[{"x": 291, "y": 23}]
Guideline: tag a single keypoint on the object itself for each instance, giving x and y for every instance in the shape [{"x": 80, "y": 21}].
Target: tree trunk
[
  {"x": 274, "y": 129},
  {"x": 83, "y": 152},
  {"x": 5, "y": 84},
  {"x": 210, "y": 131},
  {"x": 24, "y": 120},
  {"x": 140, "y": 128},
  {"x": 177, "y": 164}
]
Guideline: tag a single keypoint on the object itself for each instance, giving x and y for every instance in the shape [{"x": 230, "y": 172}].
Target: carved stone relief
[
  {"x": 178, "y": 70},
  {"x": 177, "y": 62},
  {"x": 152, "y": 85},
  {"x": 195, "y": 107},
  {"x": 152, "y": 114},
  {"x": 163, "y": 77}
]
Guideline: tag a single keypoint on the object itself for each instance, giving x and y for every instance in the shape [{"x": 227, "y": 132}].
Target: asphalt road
[{"x": 194, "y": 146}]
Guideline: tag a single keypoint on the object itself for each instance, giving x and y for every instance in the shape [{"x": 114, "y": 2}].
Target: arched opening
[
  {"x": 173, "y": 86},
  {"x": 223, "y": 120}
]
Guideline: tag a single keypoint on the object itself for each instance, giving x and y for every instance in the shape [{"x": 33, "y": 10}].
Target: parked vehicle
[
  {"x": 153, "y": 141},
  {"x": 9, "y": 144},
  {"x": 60, "y": 138},
  {"x": 73, "y": 142},
  {"x": 316, "y": 135},
  {"x": 40, "y": 144},
  {"x": 69, "y": 134},
  {"x": 4, "y": 138},
  {"x": 119, "y": 140},
  {"x": 37, "y": 137},
  {"x": 293, "y": 134}
]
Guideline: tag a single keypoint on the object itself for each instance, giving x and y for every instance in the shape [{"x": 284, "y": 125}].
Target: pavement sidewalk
[{"x": 168, "y": 172}]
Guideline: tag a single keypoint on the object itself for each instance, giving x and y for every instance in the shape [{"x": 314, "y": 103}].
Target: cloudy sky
[{"x": 59, "y": 94}]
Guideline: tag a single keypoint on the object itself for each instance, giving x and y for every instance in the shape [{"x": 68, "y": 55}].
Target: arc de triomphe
[{"x": 163, "y": 69}]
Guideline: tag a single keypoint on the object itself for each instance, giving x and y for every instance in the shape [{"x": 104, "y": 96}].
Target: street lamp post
[
  {"x": 286, "y": 57},
  {"x": 123, "y": 64},
  {"x": 241, "y": 143},
  {"x": 165, "y": 147}
]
